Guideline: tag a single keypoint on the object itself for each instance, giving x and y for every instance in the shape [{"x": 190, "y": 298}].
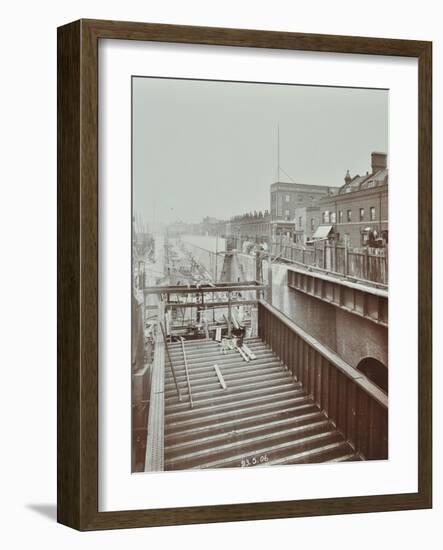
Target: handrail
[
  {"x": 187, "y": 373},
  {"x": 170, "y": 362}
]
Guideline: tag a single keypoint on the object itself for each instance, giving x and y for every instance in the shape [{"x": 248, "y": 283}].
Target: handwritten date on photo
[{"x": 254, "y": 461}]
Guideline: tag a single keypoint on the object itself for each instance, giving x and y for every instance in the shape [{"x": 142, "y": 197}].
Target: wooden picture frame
[{"x": 77, "y": 478}]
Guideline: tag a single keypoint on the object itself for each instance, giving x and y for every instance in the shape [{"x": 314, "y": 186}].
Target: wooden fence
[{"x": 370, "y": 264}]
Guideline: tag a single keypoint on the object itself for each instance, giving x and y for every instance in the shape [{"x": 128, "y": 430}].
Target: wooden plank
[
  {"x": 234, "y": 319},
  {"x": 242, "y": 353},
  {"x": 154, "y": 459},
  {"x": 188, "y": 381},
  {"x": 247, "y": 350},
  {"x": 220, "y": 377}
]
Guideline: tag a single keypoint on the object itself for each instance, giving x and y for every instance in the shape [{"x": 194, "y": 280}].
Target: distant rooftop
[
  {"x": 378, "y": 177},
  {"x": 366, "y": 182}
]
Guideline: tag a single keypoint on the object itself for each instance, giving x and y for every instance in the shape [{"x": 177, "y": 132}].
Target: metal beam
[
  {"x": 346, "y": 280},
  {"x": 203, "y": 289},
  {"x": 210, "y": 305},
  {"x": 369, "y": 303}
]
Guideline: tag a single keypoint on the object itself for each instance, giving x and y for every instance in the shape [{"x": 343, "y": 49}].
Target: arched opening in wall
[{"x": 376, "y": 371}]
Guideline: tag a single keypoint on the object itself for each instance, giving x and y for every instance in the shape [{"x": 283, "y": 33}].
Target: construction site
[{"x": 239, "y": 358}]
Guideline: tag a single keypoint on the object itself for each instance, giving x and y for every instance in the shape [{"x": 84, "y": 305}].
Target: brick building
[
  {"x": 358, "y": 213},
  {"x": 286, "y": 198},
  {"x": 251, "y": 226}
]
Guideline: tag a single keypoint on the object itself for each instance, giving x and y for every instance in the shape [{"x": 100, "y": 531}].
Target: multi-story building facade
[
  {"x": 358, "y": 214},
  {"x": 250, "y": 226},
  {"x": 288, "y": 197}
]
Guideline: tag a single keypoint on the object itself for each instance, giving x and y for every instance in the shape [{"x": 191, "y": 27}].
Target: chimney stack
[{"x": 378, "y": 161}]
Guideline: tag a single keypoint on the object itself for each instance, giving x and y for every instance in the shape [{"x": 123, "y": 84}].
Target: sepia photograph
[{"x": 260, "y": 274}]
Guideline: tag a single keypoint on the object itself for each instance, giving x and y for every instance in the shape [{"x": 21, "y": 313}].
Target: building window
[
  {"x": 287, "y": 198},
  {"x": 340, "y": 216},
  {"x": 325, "y": 216},
  {"x": 333, "y": 217},
  {"x": 349, "y": 215},
  {"x": 362, "y": 214},
  {"x": 372, "y": 213},
  {"x": 287, "y": 214},
  {"x": 300, "y": 222},
  {"x": 312, "y": 224}
]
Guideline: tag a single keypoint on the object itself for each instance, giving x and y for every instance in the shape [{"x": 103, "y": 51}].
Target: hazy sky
[{"x": 210, "y": 148}]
